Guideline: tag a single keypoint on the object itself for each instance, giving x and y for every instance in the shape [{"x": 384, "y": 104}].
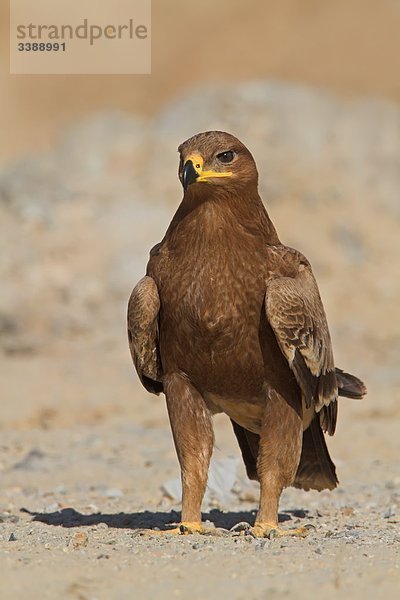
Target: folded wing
[
  {"x": 143, "y": 309},
  {"x": 295, "y": 312}
]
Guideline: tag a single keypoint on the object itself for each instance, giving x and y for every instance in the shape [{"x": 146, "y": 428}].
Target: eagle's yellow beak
[{"x": 193, "y": 171}]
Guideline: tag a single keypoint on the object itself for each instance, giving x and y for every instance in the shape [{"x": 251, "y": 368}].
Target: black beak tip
[{"x": 189, "y": 174}]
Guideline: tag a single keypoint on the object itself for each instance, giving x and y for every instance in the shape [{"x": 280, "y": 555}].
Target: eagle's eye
[{"x": 226, "y": 157}]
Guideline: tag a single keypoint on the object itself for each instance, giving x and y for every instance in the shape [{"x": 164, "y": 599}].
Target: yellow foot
[
  {"x": 184, "y": 528},
  {"x": 266, "y": 530}
]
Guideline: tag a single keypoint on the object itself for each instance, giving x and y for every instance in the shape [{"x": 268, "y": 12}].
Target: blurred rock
[
  {"x": 79, "y": 540},
  {"x": 32, "y": 461},
  {"x": 220, "y": 484},
  {"x": 78, "y": 222}
]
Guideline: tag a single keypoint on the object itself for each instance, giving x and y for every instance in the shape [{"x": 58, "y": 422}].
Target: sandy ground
[
  {"x": 76, "y": 495},
  {"x": 84, "y": 451}
]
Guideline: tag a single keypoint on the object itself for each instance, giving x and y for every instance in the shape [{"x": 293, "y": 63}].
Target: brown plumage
[{"x": 227, "y": 319}]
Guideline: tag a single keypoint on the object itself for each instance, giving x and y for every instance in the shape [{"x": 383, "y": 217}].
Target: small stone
[
  {"x": 79, "y": 540},
  {"x": 32, "y": 461},
  {"x": 12, "y": 538},
  {"x": 261, "y": 544},
  {"x": 113, "y": 493},
  {"x": 242, "y": 526},
  {"x": 347, "y": 511},
  {"x": 8, "y": 517},
  {"x": 390, "y": 512},
  {"x": 216, "y": 532}
]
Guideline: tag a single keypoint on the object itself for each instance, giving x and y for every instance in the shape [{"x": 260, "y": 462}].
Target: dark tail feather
[
  {"x": 316, "y": 470},
  {"x": 248, "y": 443},
  {"x": 349, "y": 385},
  {"x": 328, "y": 417}
]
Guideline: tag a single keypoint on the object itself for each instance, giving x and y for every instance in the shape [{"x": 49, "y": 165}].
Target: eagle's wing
[
  {"x": 143, "y": 308},
  {"x": 295, "y": 312}
]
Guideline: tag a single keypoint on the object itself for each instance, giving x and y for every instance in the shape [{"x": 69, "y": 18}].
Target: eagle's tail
[
  {"x": 316, "y": 471},
  {"x": 349, "y": 385}
]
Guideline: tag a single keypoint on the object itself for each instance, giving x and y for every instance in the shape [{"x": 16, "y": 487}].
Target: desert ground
[{"x": 87, "y": 186}]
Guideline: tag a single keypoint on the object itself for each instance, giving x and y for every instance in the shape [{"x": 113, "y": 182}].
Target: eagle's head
[{"x": 216, "y": 158}]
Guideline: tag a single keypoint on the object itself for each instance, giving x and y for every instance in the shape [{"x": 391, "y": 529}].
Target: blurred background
[{"x": 88, "y": 184}]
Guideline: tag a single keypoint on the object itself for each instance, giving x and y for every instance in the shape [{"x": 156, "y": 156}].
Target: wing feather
[
  {"x": 295, "y": 312},
  {"x": 143, "y": 309}
]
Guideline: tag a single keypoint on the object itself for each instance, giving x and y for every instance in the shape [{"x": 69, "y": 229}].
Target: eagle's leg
[
  {"x": 278, "y": 459},
  {"x": 194, "y": 439}
]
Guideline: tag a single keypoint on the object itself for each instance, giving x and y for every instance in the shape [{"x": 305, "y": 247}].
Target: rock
[
  {"x": 32, "y": 461},
  {"x": 390, "y": 512},
  {"x": 79, "y": 540},
  {"x": 8, "y": 518},
  {"x": 221, "y": 481},
  {"x": 113, "y": 493},
  {"x": 242, "y": 526}
]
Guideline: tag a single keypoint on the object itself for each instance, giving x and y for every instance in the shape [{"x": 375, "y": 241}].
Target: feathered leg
[
  {"x": 278, "y": 459},
  {"x": 194, "y": 439}
]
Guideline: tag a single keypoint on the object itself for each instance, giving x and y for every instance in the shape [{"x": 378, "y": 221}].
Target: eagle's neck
[{"x": 220, "y": 215}]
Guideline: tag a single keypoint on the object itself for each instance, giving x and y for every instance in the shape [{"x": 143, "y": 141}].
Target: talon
[
  {"x": 187, "y": 527},
  {"x": 269, "y": 531},
  {"x": 184, "y": 528},
  {"x": 249, "y": 532},
  {"x": 272, "y": 534}
]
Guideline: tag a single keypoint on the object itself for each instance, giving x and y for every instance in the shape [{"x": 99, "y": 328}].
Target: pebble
[
  {"x": 32, "y": 461},
  {"x": 79, "y": 540},
  {"x": 113, "y": 493},
  {"x": 390, "y": 512},
  {"x": 242, "y": 526},
  {"x": 7, "y": 517}
]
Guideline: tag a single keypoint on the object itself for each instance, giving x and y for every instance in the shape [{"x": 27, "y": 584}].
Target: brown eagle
[{"x": 228, "y": 319}]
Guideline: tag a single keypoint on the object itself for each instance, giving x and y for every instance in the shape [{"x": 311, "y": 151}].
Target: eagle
[{"x": 229, "y": 320}]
